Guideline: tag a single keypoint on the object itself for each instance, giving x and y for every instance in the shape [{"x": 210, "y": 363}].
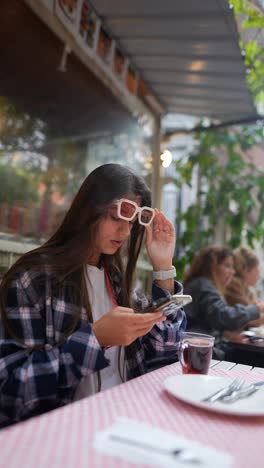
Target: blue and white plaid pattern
[{"x": 35, "y": 381}]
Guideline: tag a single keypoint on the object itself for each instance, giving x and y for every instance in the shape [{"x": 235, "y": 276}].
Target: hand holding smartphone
[{"x": 180, "y": 300}]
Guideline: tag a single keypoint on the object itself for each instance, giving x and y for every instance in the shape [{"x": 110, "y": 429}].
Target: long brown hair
[
  {"x": 205, "y": 262},
  {"x": 64, "y": 254},
  {"x": 244, "y": 260}
]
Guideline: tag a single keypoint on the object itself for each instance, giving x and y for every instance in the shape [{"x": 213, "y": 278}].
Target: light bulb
[{"x": 166, "y": 158}]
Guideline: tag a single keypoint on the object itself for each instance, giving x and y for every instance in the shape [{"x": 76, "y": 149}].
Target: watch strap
[{"x": 164, "y": 274}]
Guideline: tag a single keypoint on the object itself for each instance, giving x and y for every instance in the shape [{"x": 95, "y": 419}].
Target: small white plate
[{"x": 193, "y": 388}]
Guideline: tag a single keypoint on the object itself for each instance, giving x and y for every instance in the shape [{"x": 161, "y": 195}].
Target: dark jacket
[{"x": 209, "y": 313}]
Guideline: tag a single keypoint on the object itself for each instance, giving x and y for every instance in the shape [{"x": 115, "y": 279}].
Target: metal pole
[{"x": 156, "y": 182}]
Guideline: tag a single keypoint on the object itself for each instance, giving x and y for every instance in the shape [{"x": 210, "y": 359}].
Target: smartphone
[{"x": 179, "y": 300}]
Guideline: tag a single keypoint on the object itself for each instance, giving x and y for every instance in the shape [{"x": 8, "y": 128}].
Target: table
[
  {"x": 64, "y": 437},
  {"x": 242, "y": 349}
]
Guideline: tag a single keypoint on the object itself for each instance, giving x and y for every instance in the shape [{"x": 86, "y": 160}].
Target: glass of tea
[{"x": 195, "y": 352}]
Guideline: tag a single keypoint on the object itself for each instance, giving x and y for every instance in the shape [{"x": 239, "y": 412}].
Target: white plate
[{"x": 193, "y": 388}]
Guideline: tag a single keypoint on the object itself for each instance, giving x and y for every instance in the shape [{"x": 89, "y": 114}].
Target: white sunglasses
[{"x": 128, "y": 209}]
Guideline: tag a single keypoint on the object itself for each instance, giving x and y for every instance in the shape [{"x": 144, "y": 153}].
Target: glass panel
[
  {"x": 55, "y": 128},
  {"x": 39, "y": 175}
]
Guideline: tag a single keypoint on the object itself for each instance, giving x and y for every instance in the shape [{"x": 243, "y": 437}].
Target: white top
[{"x": 101, "y": 303}]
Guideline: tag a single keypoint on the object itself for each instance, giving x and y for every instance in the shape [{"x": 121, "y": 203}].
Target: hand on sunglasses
[
  {"x": 160, "y": 237},
  {"x": 160, "y": 242}
]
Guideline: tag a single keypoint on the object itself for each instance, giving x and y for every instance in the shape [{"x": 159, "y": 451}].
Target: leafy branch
[
  {"x": 230, "y": 192},
  {"x": 253, "y": 52}
]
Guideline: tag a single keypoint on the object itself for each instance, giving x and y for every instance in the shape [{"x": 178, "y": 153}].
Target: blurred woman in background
[
  {"x": 240, "y": 289},
  {"x": 206, "y": 281}
]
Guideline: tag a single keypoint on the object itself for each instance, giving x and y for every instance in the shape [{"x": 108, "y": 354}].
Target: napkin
[
  {"x": 259, "y": 331},
  {"x": 139, "y": 432}
]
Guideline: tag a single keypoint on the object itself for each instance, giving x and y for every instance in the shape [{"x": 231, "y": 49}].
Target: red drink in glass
[{"x": 195, "y": 353}]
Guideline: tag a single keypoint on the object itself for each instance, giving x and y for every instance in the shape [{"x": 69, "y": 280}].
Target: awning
[{"x": 186, "y": 51}]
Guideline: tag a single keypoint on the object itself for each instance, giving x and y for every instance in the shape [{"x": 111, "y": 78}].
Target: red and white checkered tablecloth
[{"x": 64, "y": 438}]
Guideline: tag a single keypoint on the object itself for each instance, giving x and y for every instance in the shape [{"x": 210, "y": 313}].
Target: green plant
[
  {"x": 17, "y": 185},
  {"x": 230, "y": 193},
  {"x": 253, "y": 51}
]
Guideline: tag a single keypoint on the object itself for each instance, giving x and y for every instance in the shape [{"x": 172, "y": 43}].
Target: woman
[
  {"x": 246, "y": 275},
  {"x": 69, "y": 305},
  {"x": 238, "y": 291},
  {"x": 206, "y": 281}
]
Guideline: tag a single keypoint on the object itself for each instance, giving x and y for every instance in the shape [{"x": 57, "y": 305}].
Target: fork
[
  {"x": 243, "y": 392},
  {"x": 224, "y": 392}
]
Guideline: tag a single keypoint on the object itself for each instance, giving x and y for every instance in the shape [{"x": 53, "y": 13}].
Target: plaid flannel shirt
[{"x": 37, "y": 380}]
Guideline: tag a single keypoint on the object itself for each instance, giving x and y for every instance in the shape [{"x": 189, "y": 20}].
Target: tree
[
  {"x": 252, "y": 19},
  {"x": 230, "y": 194},
  {"x": 17, "y": 185}
]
